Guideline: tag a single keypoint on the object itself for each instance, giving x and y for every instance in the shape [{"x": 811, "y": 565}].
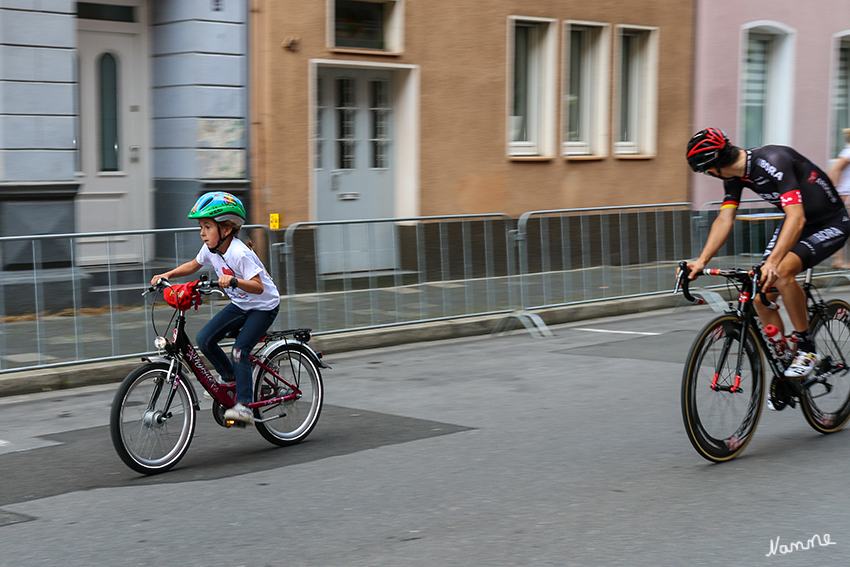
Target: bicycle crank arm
[{"x": 258, "y": 420}]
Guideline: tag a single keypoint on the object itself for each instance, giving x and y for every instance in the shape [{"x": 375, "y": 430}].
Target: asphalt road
[{"x": 490, "y": 451}]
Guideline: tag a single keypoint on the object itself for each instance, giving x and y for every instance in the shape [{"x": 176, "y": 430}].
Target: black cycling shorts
[{"x": 817, "y": 242}]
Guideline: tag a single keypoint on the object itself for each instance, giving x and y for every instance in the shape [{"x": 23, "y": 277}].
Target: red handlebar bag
[{"x": 183, "y": 296}]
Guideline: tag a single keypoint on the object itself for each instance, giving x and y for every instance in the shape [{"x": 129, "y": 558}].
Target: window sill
[
  {"x": 530, "y": 158},
  {"x": 634, "y": 156},
  {"x": 355, "y": 51},
  {"x": 583, "y": 157}
]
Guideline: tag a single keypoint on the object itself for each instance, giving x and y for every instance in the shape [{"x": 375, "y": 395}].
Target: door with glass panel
[
  {"x": 353, "y": 153},
  {"x": 112, "y": 162}
]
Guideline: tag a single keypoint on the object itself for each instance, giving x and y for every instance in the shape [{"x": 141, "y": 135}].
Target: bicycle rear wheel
[
  {"x": 826, "y": 403},
  {"x": 149, "y": 439},
  {"x": 719, "y": 418},
  {"x": 292, "y": 420}
]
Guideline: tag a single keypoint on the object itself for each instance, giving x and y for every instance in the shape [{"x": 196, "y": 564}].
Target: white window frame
[
  {"x": 393, "y": 28},
  {"x": 779, "y": 103},
  {"x": 643, "y": 93},
  {"x": 755, "y": 93},
  {"x": 595, "y": 87},
  {"x": 839, "y": 94},
  {"x": 542, "y": 122}
]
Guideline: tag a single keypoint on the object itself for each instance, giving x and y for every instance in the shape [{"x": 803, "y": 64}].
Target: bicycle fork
[
  {"x": 727, "y": 345},
  {"x": 159, "y": 417}
]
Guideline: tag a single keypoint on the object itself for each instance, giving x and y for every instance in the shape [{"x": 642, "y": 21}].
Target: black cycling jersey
[{"x": 782, "y": 177}]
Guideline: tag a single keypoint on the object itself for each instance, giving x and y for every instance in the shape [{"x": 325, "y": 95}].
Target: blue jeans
[{"x": 254, "y": 325}]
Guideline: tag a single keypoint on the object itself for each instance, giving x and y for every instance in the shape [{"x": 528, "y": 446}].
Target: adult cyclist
[{"x": 815, "y": 226}]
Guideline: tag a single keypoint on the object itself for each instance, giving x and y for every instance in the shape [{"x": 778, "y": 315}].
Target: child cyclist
[{"x": 241, "y": 274}]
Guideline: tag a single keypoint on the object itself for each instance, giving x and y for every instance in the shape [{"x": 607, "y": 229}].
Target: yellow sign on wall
[{"x": 274, "y": 221}]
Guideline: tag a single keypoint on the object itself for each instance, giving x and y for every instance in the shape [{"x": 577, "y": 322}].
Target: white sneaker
[
  {"x": 803, "y": 365},
  {"x": 240, "y": 415}
]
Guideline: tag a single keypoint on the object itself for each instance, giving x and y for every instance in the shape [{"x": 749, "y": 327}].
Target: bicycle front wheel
[
  {"x": 721, "y": 410},
  {"x": 826, "y": 403},
  {"x": 292, "y": 420},
  {"x": 148, "y": 436}
]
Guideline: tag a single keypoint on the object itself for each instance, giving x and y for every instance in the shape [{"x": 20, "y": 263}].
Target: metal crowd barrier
[
  {"x": 757, "y": 219},
  {"x": 76, "y": 297},
  {"x": 341, "y": 275},
  {"x": 73, "y": 298},
  {"x": 570, "y": 256}
]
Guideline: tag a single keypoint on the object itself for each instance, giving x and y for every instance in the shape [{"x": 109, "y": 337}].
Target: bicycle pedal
[{"x": 234, "y": 423}]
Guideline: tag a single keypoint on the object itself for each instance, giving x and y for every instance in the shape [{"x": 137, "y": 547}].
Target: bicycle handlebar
[
  {"x": 204, "y": 287},
  {"x": 683, "y": 282}
]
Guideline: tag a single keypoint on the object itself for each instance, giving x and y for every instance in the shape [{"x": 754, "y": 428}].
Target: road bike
[
  {"x": 723, "y": 381},
  {"x": 154, "y": 410}
]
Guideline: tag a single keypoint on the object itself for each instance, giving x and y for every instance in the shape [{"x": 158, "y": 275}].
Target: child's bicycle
[
  {"x": 723, "y": 383},
  {"x": 153, "y": 413}
]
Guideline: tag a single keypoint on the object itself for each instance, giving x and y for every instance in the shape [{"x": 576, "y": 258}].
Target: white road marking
[{"x": 615, "y": 331}]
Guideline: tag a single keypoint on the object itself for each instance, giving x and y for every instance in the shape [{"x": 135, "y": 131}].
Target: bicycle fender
[{"x": 296, "y": 345}]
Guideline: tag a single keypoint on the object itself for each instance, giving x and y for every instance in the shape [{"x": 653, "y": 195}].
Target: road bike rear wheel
[
  {"x": 826, "y": 403},
  {"x": 147, "y": 437},
  {"x": 719, "y": 418},
  {"x": 291, "y": 421}
]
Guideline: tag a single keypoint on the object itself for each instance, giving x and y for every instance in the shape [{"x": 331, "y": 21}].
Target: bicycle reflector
[{"x": 182, "y": 296}]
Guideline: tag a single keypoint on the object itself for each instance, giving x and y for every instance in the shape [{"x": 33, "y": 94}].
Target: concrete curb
[{"x": 73, "y": 376}]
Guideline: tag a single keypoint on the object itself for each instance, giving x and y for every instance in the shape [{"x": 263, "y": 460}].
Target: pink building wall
[{"x": 815, "y": 28}]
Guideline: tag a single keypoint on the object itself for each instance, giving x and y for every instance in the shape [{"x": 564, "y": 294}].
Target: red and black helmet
[{"x": 706, "y": 148}]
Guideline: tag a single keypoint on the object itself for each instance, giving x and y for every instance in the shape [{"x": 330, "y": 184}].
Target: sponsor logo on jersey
[
  {"x": 820, "y": 181},
  {"x": 772, "y": 198},
  {"x": 770, "y": 169},
  {"x": 827, "y": 234}
]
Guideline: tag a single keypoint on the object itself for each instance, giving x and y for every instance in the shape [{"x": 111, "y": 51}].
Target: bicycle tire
[
  {"x": 146, "y": 444},
  {"x": 720, "y": 423},
  {"x": 827, "y": 410},
  {"x": 290, "y": 421}
]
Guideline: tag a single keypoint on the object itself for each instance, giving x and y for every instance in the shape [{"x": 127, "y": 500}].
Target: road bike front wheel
[
  {"x": 826, "y": 403},
  {"x": 292, "y": 420},
  {"x": 721, "y": 411},
  {"x": 148, "y": 436}
]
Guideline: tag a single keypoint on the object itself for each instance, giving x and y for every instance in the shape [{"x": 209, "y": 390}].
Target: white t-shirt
[
  {"x": 241, "y": 262},
  {"x": 844, "y": 184}
]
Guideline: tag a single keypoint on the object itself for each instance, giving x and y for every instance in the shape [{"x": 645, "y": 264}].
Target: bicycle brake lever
[
  {"x": 678, "y": 284},
  {"x": 683, "y": 266}
]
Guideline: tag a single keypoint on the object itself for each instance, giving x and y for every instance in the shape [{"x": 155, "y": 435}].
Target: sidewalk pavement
[{"x": 86, "y": 374}]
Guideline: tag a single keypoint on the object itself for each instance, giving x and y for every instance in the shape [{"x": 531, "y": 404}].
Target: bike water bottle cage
[{"x": 182, "y": 296}]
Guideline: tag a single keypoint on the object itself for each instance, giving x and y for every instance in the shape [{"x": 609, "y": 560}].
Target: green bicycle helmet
[{"x": 219, "y": 206}]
